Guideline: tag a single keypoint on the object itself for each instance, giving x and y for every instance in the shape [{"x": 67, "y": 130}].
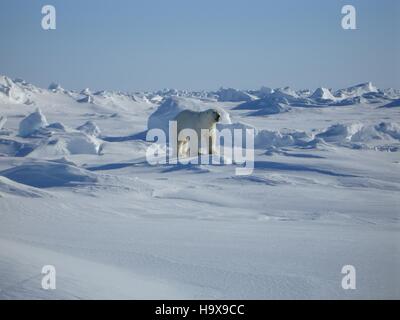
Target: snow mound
[
  {"x": 358, "y": 135},
  {"x": 322, "y": 94},
  {"x": 172, "y": 106},
  {"x": 304, "y": 93},
  {"x": 86, "y": 92},
  {"x": 11, "y": 91},
  {"x": 232, "y": 95},
  {"x": 393, "y": 104},
  {"x": 356, "y": 91},
  {"x": 277, "y": 139},
  {"x": 45, "y": 174},
  {"x": 67, "y": 143},
  {"x": 90, "y": 128},
  {"x": 57, "y": 126},
  {"x": 11, "y": 187},
  {"x": 86, "y": 99},
  {"x": 348, "y": 101},
  {"x": 55, "y": 87},
  {"x": 285, "y": 92},
  {"x": 340, "y": 132},
  {"x": 266, "y": 106},
  {"x": 12, "y": 148},
  {"x": 32, "y": 123},
  {"x": 231, "y": 127},
  {"x": 391, "y": 93},
  {"x": 62, "y": 140},
  {"x": 76, "y": 143},
  {"x": 156, "y": 98},
  {"x": 263, "y": 92},
  {"x": 390, "y": 128},
  {"x": 116, "y": 101}
]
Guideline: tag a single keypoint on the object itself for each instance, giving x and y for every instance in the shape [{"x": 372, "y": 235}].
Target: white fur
[{"x": 203, "y": 124}]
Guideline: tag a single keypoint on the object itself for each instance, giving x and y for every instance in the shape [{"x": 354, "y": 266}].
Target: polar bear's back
[{"x": 188, "y": 119}]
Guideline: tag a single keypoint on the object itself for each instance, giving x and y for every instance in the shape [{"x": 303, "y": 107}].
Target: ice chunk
[
  {"x": 90, "y": 128},
  {"x": 32, "y": 123}
]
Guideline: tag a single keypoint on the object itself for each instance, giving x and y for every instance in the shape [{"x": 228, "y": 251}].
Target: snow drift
[
  {"x": 265, "y": 106},
  {"x": 356, "y": 91},
  {"x": 13, "y": 188},
  {"x": 45, "y": 174},
  {"x": 393, "y": 104},
  {"x": 359, "y": 135},
  {"x": 232, "y": 95},
  {"x": 266, "y": 139}
]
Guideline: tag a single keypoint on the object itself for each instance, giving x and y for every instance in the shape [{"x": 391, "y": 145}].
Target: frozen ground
[{"x": 76, "y": 192}]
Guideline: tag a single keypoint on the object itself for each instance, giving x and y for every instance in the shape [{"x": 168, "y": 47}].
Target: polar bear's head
[{"x": 212, "y": 115}]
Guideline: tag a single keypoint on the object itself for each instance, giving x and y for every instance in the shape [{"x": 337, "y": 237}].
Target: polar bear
[{"x": 203, "y": 124}]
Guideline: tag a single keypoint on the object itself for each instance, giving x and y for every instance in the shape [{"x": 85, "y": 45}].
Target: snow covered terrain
[{"x": 77, "y": 192}]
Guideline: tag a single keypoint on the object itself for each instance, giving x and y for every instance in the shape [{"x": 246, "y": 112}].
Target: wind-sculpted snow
[
  {"x": 357, "y": 90},
  {"x": 77, "y": 191},
  {"x": 382, "y": 136},
  {"x": 266, "y": 139},
  {"x": 14, "y": 148},
  {"x": 11, "y": 188},
  {"x": 393, "y": 104},
  {"x": 67, "y": 143},
  {"x": 45, "y": 174},
  {"x": 56, "y": 139},
  {"x": 266, "y": 106},
  {"x": 233, "y": 95},
  {"x": 281, "y": 99}
]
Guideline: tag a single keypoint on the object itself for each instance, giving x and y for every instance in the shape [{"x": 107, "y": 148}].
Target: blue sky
[{"x": 152, "y": 44}]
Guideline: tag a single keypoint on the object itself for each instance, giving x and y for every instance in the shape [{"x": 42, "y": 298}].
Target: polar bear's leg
[
  {"x": 179, "y": 149},
  {"x": 183, "y": 148},
  {"x": 212, "y": 142},
  {"x": 203, "y": 143}
]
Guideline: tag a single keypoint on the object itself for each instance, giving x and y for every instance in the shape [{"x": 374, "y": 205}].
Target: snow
[
  {"x": 55, "y": 87},
  {"x": 42, "y": 174},
  {"x": 15, "y": 189},
  {"x": 265, "y": 106},
  {"x": 11, "y": 91},
  {"x": 172, "y": 106},
  {"x": 286, "y": 92},
  {"x": 32, "y": 123},
  {"x": 322, "y": 94},
  {"x": 3, "y": 121},
  {"x": 62, "y": 143},
  {"x": 79, "y": 194},
  {"x": 393, "y": 104},
  {"x": 363, "y": 135},
  {"x": 357, "y": 90},
  {"x": 90, "y": 128},
  {"x": 86, "y": 99},
  {"x": 233, "y": 95},
  {"x": 275, "y": 139}
]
